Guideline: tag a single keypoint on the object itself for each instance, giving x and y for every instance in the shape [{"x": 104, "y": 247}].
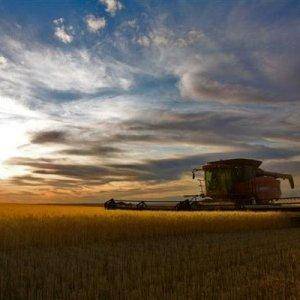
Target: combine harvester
[{"x": 233, "y": 184}]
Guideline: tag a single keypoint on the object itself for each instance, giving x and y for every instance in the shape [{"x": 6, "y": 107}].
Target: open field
[{"x": 75, "y": 252}]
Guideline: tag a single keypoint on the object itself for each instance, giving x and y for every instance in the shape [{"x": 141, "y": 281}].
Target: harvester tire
[
  {"x": 110, "y": 204},
  {"x": 195, "y": 206},
  {"x": 141, "y": 205},
  {"x": 184, "y": 205}
]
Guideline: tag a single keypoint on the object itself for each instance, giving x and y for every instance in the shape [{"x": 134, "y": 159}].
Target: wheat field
[{"x": 85, "y": 252}]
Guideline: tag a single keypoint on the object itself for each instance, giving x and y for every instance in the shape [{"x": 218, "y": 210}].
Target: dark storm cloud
[{"x": 52, "y": 136}]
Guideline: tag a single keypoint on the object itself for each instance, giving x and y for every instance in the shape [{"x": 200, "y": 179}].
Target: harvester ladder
[{"x": 202, "y": 186}]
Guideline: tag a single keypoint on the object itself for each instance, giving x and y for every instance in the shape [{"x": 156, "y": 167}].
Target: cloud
[
  {"x": 61, "y": 32},
  {"x": 83, "y": 172},
  {"x": 100, "y": 151},
  {"x": 137, "y": 137},
  {"x": 203, "y": 128},
  {"x": 163, "y": 37},
  {"x": 44, "y": 73},
  {"x": 160, "y": 40},
  {"x": 26, "y": 180},
  {"x": 225, "y": 78},
  {"x": 201, "y": 86},
  {"x": 94, "y": 24},
  {"x": 243, "y": 62},
  {"x": 35, "y": 181},
  {"x": 46, "y": 137},
  {"x": 112, "y": 6},
  {"x": 243, "y": 59},
  {"x": 190, "y": 38},
  {"x": 144, "y": 41},
  {"x": 3, "y": 61},
  {"x": 132, "y": 23}
]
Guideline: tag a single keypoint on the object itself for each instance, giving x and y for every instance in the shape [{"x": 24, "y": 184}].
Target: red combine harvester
[
  {"x": 241, "y": 181},
  {"x": 225, "y": 185}
]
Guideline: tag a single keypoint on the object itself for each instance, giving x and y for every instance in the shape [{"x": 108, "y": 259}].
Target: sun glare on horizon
[{"x": 13, "y": 136}]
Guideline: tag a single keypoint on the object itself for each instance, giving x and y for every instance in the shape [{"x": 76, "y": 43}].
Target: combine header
[{"x": 233, "y": 184}]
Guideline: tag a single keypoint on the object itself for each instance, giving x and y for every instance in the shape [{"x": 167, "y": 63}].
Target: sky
[{"x": 118, "y": 98}]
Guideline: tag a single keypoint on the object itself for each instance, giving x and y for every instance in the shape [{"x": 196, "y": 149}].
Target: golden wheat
[{"x": 76, "y": 252}]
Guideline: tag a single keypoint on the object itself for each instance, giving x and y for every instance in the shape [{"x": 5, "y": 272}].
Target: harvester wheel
[
  {"x": 239, "y": 203},
  {"x": 184, "y": 205},
  {"x": 110, "y": 204},
  {"x": 141, "y": 205},
  {"x": 195, "y": 206},
  {"x": 252, "y": 200}
]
